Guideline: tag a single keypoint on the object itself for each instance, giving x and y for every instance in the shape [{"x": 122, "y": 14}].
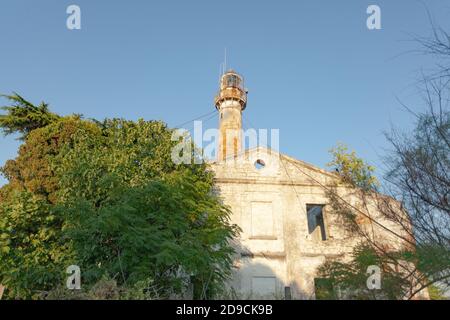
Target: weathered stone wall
[{"x": 275, "y": 249}]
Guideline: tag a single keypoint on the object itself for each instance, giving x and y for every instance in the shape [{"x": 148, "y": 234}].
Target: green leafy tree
[
  {"x": 348, "y": 279},
  {"x": 23, "y": 117},
  {"x": 136, "y": 215},
  {"x": 406, "y": 270},
  {"x": 107, "y": 197},
  {"x": 352, "y": 169},
  {"x": 32, "y": 171},
  {"x": 32, "y": 252}
]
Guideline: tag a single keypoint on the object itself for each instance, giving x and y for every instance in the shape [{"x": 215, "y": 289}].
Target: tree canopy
[
  {"x": 107, "y": 197},
  {"x": 23, "y": 117}
]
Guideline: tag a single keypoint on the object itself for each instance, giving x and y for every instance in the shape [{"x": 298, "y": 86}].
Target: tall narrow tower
[{"x": 230, "y": 102}]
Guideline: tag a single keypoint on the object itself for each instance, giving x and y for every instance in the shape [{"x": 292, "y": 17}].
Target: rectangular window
[
  {"x": 262, "y": 220},
  {"x": 316, "y": 224},
  {"x": 264, "y": 287}
]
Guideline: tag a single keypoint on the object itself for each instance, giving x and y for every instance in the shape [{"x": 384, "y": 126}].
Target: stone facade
[{"x": 277, "y": 253}]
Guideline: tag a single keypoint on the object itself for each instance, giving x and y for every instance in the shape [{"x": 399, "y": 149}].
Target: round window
[{"x": 260, "y": 164}]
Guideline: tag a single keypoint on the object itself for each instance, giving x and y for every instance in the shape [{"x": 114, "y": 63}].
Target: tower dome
[{"x": 231, "y": 88}]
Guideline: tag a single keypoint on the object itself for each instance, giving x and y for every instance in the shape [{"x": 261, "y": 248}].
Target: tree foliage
[
  {"x": 348, "y": 280},
  {"x": 417, "y": 176},
  {"x": 23, "y": 117},
  {"x": 423, "y": 258},
  {"x": 106, "y": 196},
  {"x": 352, "y": 169},
  {"x": 157, "y": 219},
  {"x": 32, "y": 251}
]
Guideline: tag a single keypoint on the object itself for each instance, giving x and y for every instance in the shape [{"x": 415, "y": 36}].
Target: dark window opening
[
  {"x": 316, "y": 224},
  {"x": 287, "y": 293}
]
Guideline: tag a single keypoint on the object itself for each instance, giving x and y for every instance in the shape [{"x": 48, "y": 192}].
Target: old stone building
[{"x": 280, "y": 204}]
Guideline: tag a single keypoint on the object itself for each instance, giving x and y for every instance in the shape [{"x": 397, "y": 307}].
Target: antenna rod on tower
[{"x": 225, "y": 63}]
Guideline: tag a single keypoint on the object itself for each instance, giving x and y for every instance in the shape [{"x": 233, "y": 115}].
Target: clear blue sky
[{"x": 313, "y": 68}]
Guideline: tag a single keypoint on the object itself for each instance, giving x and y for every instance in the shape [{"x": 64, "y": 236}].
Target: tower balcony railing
[{"x": 231, "y": 94}]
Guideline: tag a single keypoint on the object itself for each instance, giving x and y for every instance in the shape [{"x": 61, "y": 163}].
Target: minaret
[{"x": 230, "y": 102}]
